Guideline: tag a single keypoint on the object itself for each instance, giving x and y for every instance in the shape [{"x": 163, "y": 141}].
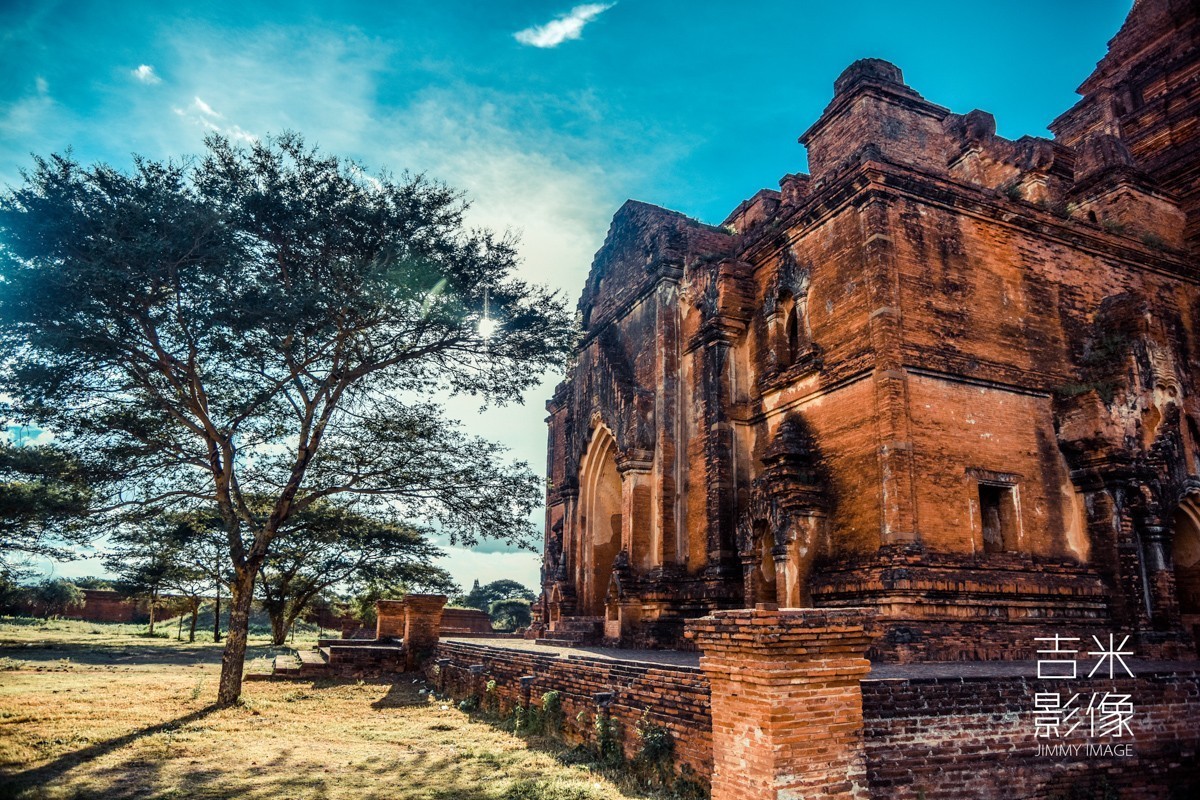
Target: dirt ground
[{"x": 99, "y": 711}]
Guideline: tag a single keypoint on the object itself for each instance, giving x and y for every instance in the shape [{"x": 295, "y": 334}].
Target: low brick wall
[
  {"x": 966, "y": 738},
  {"x": 675, "y": 696},
  {"x": 365, "y": 660},
  {"x": 465, "y": 620},
  {"x": 973, "y": 738}
]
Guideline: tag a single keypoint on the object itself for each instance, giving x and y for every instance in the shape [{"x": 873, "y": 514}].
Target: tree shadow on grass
[
  {"x": 38, "y": 776},
  {"x": 403, "y": 692},
  {"x": 126, "y": 654}
]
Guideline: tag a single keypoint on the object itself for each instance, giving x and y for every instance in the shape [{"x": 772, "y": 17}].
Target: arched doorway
[
  {"x": 1185, "y": 555},
  {"x": 599, "y": 520}
]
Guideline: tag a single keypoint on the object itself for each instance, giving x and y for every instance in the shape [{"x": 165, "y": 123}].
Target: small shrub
[
  {"x": 1153, "y": 240},
  {"x": 469, "y": 705},
  {"x": 608, "y": 744},
  {"x": 551, "y": 716},
  {"x": 491, "y": 699}
]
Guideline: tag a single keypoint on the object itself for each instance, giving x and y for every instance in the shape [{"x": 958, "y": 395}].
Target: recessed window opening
[{"x": 998, "y": 513}]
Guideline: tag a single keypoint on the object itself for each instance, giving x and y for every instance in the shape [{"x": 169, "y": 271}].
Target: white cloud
[
  {"x": 43, "y": 87},
  {"x": 204, "y": 108},
  {"x": 145, "y": 73},
  {"x": 235, "y": 132},
  {"x": 467, "y": 566},
  {"x": 568, "y": 26}
]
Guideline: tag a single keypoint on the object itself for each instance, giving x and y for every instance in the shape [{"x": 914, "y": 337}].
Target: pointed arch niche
[
  {"x": 1185, "y": 555},
  {"x": 600, "y": 520}
]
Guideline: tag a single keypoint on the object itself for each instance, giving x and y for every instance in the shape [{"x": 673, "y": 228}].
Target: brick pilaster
[
  {"x": 389, "y": 619},
  {"x": 422, "y": 627},
  {"x": 786, "y": 702}
]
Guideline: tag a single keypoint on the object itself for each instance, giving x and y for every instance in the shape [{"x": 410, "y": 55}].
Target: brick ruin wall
[
  {"x": 962, "y": 738},
  {"x": 675, "y": 697}
]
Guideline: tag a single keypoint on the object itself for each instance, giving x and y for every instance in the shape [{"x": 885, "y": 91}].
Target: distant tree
[
  {"x": 482, "y": 597},
  {"x": 203, "y": 556},
  {"x": 92, "y": 582},
  {"x": 250, "y": 324},
  {"x": 145, "y": 559},
  {"x": 55, "y": 597},
  {"x": 44, "y": 497},
  {"x": 362, "y": 604},
  {"x": 329, "y": 545},
  {"x": 190, "y": 584},
  {"x": 508, "y": 615}
]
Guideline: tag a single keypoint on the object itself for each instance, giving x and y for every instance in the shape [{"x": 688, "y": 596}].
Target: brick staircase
[
  {"x": 574, "y": 632},
  {"x": 304, "y": 664}
]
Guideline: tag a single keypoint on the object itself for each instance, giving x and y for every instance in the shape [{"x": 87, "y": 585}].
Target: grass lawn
[{"x": 91, "y": 710}]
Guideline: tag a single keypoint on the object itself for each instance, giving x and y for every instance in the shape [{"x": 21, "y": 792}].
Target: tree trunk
[
  {"x": 279, "y": 626},
  {"x": 179, "y": 630},
  {"x": 195, "y": 615},
  {"x": 234, "y": 658},
  {"x": 217, "y": 615},
  {"x": 152, "y": 604}
]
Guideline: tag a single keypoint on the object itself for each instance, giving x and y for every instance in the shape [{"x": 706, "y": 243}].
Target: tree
[
  {"x": 329, "y": 545},
  {"x": 145, "y": 559},
  {"x": 482, "y": 597},
  {"x": 508, "y": 615},
  {"x": 54, "y": 597},
  {"x": 203, "y": 557},
  {"x": 256, "y": 323},
  {"x": 43, "y": 497}
]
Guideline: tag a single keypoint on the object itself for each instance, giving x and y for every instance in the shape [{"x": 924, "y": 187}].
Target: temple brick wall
[{"x": 941, "y": 356}]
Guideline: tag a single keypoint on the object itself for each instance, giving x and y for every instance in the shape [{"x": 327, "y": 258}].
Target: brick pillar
[
  {"x": 389, "y": 619},
  {"x": 422, "y": 627},
  {"x": 786, "y": 701}
]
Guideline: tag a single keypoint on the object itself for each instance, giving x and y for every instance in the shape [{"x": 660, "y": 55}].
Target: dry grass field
[{"x": 99, "y": 711}]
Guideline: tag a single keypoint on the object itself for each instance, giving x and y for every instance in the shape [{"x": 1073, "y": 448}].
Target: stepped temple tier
[{"x": 945, "y": 376}]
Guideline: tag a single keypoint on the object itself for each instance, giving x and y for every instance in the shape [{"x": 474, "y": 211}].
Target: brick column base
[
  {"x": 389, "y": 619},
  {"x": 422, "y": 627},
  {"x": 786, "y": 702}
]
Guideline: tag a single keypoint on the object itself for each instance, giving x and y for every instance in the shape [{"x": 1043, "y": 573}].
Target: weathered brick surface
[
  {"x": 787, "y": 714},
  {"x": 973, "y": 738},
  {"x": 673, "y": 697},
  {"x": 964, "y": 736}
]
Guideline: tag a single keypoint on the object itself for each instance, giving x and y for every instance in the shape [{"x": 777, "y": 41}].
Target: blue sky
[{"x": 547, "y": 114}]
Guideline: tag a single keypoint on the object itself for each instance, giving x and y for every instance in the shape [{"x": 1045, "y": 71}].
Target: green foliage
[
  {"x": 607, "y": 743},
  {"x": 1100, "y": 365},
  {"x": 54, "y": 597},
  {"x": 482, "y": 597},
  {"x": 44, "y": 501},
  {"x": 1153, "y": 241},
  {"x": 330, "y": 544},
  {"x": 92, "y": 582},
  {"x": 469, "y": 704},
  {"x": 491, "y": 698},
  {"x": 509, "y": 615}
]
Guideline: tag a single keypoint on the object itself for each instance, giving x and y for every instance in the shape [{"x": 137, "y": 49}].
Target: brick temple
[{"x": 944, "y": 375}]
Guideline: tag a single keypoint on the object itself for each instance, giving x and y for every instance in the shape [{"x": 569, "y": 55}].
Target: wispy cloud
[
  {"x": 146, "y": 74},
  {"x": 204, "y": 108},
  {"x": 559, "y": 30},
  {"x": 205, "y": 120}
]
